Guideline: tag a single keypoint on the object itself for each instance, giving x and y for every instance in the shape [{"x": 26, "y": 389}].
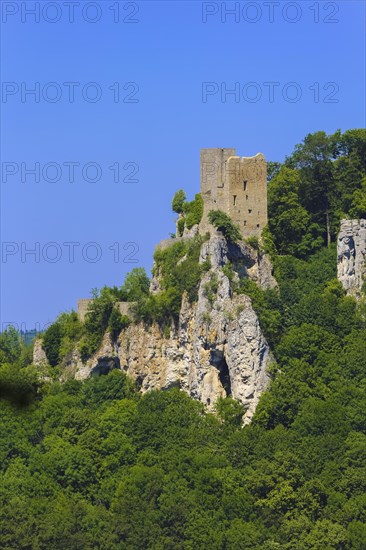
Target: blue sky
[{"x": 153, "y": 131}]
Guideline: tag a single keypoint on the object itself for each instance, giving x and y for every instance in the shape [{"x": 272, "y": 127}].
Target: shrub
[
  {"x": 211, "y": 288},
  {"x": 180, "y": 226},
  {"x": 266, "y": 304},
  {"x": 179, "y": 271},
  {"x": 253, "y": 241},
  {"x": 117, "y": 322},
  {"x": 223, "y": 223},
  {"x": 60, "y": 337},
  {"x": 269, "y": 246},
  {"x": 178, "y": 201},
  {"x": 229, "y": 272},
  {"x": 10, "y": 345},
  {"x": 230, "y": 411},
  {"x": 136, "y": 285},
  {"x": 193, "y": 211},
  {"x": 51, "y": 343},
  {"x": 96, "y": 323},
  {"x": 206, "y": 318}
]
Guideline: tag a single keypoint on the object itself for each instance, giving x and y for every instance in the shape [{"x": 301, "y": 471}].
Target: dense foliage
[
  {"x": 322, "y": 182},
  {"x": 190, "y": 212},
  {"x": 95, "y": 464},
  {"x": 179, "y": 271},
  {"x": 178, "y": 201}
]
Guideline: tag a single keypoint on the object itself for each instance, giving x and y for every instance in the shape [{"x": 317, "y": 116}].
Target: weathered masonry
[{"x": 235, "y": 185}]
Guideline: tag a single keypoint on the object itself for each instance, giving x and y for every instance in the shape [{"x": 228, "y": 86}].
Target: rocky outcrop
[
  {"x": 39, "y": 355},
  {"x": 352, "y": 255},
  {"x": 216, "y": 347}
]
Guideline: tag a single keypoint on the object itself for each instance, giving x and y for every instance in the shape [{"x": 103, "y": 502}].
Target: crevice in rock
[
  {"x": 105, "y": 365},
  {"x": 139, "y": 381},
  {"x": 218, "y": 361}
]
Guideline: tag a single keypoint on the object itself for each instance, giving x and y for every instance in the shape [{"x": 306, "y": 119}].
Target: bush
[
  {"x": 253, "y": 241},
  {"x": 19, "y": 386},
  {"x": 10, "y": 345},
  {"x": 117, "y": 322},
  {"x": 223, "y": 223},
  {"x": 59, "y": 339},
  {"x": 178, "y": 201},
  {"x": 229, "y": 271},
  {"x": 193, "y": 211},
  {"x": 211, "y": 288},
  {"x": 267, "y": 305},
  {"x": 136, "y": 285},
  {"x": 51, "y": 343},
  {"x": 96, "y": 323},
  {"x": 180, "y": 226},
  {"x": 269, "y": 246},
  {"x": 179, "y": 271},
  {"x": 160, "y": 308}
]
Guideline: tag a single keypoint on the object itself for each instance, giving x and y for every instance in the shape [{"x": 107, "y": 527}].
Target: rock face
[
  {"x": 352, "y": 255},
  {"x": 39, "y": 356},
  {"x": 216, "y": 348}
]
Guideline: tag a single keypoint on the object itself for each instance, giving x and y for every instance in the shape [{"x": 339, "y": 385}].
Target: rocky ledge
[{"x": 216, "y": 348}]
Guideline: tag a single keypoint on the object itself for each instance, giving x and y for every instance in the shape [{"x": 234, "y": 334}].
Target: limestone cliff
[
  {"x": 352, "y": 255},
  {"x": 215, "y": 349}
]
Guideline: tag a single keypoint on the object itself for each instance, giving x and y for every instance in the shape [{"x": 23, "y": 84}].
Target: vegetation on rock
[
  {"x": 191, "y": 212},
  {"x": 224, "y": 223},
  {"x": 95, "y": 464}
]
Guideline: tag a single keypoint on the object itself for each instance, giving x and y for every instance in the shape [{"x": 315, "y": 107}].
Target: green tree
[
  {"x": 136, "y": 285},
  {"x": 358, "y": 206},
  {"x": 289, "y": 221},
  {"x": 10, "y": 345},
  {"x": 178, "y": 201}
]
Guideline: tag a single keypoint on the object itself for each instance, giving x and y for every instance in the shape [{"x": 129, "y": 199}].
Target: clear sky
[{"x": 130, "y": 91}]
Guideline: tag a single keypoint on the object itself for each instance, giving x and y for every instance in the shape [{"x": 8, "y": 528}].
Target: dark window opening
[
  {"x": 245, "y": 184},
  {"x": 250, "y": 210},
  {"x": 247, "y": 197},
  {"x": 234, "y": 197},
  {"x": 258, "y": 225},
  {"x": 245, "y": 222}
]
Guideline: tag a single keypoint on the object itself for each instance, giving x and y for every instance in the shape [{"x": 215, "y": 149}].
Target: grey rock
[
  {"x": 351, "y": 252},
  {"x": 217, "y": 348}
]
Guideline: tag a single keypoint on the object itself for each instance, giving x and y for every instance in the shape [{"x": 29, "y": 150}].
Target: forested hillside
[{"x": 95, "y": 464}]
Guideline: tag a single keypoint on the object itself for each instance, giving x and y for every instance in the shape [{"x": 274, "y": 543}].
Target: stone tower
[{"x": 235, "y": 185}]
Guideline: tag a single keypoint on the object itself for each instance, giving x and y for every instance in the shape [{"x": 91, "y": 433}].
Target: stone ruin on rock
[
  {"x": 216, "y": 348},
  {"x": 236, "y": 186},
  {"x": 125, "y": 308}
]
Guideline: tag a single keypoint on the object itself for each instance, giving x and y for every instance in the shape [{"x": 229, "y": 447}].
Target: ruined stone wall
[
  {"x": 125, "y": 308},
  {"x": 83, "y": 305},
  {"x": 235, "y": 185},
  {"x": 247, "y": 188},
  {"x": 213, "y": 179}
]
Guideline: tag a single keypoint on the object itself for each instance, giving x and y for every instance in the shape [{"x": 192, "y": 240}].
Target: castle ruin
[{"x": 237, "y": 186}]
